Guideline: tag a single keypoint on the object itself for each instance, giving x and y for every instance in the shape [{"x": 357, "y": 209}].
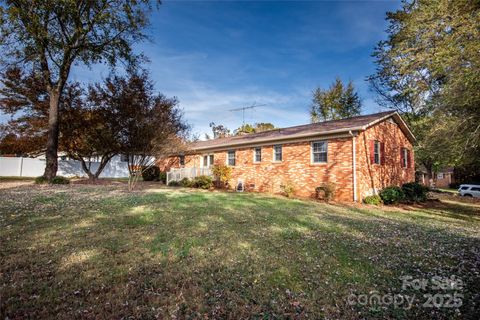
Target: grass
[
  {"x": 7, "y": 179},
  {"x": 82, "y": 251},
  {"x": 449, "y": 190}
]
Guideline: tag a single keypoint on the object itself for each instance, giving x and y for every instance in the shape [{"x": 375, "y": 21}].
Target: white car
[{"x": 469, "y": 190}]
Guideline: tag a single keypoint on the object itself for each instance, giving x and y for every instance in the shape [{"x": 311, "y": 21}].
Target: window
[
  {"x": 464, "y": 188},
  {"x": 405, "y": 155},
  {"x": 277, "y": 152},
  {"x": 231, "y": 158},
  {"x": 124, "y": 158},
  {"x": 475, "y": 189},
  {"x": 257, "y": 155},
  {"x": 208, "y": 160},
  {"x": 440, "y": 176},
  {"x": 181, "y": 160},
  {"x": 319, "y": 151},
  {"x": 376, "y": 152}
]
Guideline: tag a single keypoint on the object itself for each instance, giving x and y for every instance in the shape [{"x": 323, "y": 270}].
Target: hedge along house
[{"x": 360, "y": 155}]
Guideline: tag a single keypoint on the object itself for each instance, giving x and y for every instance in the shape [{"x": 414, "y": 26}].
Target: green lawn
[{"x": 85, "y": 251}]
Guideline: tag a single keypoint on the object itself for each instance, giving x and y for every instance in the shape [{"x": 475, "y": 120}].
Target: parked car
[{"x": 469, "y": 190}]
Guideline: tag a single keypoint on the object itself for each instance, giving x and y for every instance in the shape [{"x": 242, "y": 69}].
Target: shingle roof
[{"x": 357, "y": 123}]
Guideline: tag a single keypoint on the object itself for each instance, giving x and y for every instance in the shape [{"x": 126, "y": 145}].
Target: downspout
[{"x": 354, "y": 165}]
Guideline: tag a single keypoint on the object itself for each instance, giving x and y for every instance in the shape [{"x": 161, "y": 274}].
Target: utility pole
[{"x": 254, "y": 105}]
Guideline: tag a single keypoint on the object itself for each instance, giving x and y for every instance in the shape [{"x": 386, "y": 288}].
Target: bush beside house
[
  {"x": 410, "y": 192},
  {"x": 151, "y": 173}
]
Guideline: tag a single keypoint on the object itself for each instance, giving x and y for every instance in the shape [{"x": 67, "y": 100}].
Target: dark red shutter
[
  {"x": 372, "y": 152},
  {"x": 409, "y": 159},
  {"x": 382, "y": 153}
]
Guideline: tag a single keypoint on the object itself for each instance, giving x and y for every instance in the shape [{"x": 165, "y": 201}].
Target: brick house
[
  {"x": 442, "y": 179},
  {"x": 361, "y": 155}
]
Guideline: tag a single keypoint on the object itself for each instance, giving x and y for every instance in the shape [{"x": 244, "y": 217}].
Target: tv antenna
[{"x": 253, "y": 106}]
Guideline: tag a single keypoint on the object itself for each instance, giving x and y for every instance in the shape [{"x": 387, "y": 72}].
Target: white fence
[
  {"x": 34, "y": 167},
  {"x": 179, "y": 174}
]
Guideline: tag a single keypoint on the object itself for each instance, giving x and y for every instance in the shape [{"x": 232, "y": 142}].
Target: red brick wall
[
  {"x": 372, "y": 177},
  {"x": 297, "y": 169}
]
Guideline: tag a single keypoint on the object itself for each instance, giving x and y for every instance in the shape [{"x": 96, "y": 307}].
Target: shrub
[
  {"x": 415, "y": 192},
  {"x": 202, "y": 182},
  {"x": 55, "y": 180},
  {"x": 151, "y": 173},
  {"x": 326, "y": 191},
  {"x": 288, "y": 189},
  {"x": 163, "y": 177},
  {"x": 174, "y": 184},
  {"x": 185, "y": 182},
  {"x": 375, "y": 200},
  {"x": 392, "y": 195},
  {"x": 60, "y": 180},
  {"x": 222, "y": 173},
  {"x": 41, "y": 180}
]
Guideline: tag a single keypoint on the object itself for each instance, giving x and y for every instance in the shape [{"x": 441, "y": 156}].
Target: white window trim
[
  {"x": 255, "y": 154},
  {"x": 235, "y": 157},
  {"x": 311, "y": 152},
  {"x": 405, "y": 158},
  {"x": 202, "y": 165},
  {"x": 273, "y": 149}
]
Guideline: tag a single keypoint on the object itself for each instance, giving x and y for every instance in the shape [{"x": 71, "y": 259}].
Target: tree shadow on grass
[{"x": 210, "y": 254}]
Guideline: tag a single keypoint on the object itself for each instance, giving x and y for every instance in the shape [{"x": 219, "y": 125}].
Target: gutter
[{"x": 354, "y": 165}]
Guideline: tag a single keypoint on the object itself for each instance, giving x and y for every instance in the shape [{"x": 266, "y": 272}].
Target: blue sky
[{"x": 219, "y": 55}]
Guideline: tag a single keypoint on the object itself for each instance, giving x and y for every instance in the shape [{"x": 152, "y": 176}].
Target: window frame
[
  {"x": 211, "y": 159},
  {"x": 312, "y": 152},
  {"x": 208, "y": 157},
  {"x": 275, "y": 152},
  {"x": 205, "y": 161},
  {"x": 255, "y": 149},
  {"x": 234, "y": 158},
  {"x": 181, "y": 160},
  {"x": 377, "y": 156},
  {"x": 405, "y": 158}
]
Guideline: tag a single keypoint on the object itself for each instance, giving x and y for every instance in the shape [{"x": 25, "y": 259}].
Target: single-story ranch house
[{"x": 361, "y": 155}]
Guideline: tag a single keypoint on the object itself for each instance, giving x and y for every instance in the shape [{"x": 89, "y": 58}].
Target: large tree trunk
[{"x": 52, "y": 137}]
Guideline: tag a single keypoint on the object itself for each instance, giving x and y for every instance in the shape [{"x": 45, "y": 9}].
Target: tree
[
  {"x": 51, "y": 36},
  {"x": 151, "y": 126},
  {"x": 23, "y": 97},
  {"x": 337, "y": 102},
  {"x": 429, "y": 67},
  {"x": 244, "y": 129},
  {"x": 89, "y": 132},
  {"x": 219, "y": 131},
  {"x": 263, "y": 126},
  {"x": 257, "y": 127}
]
